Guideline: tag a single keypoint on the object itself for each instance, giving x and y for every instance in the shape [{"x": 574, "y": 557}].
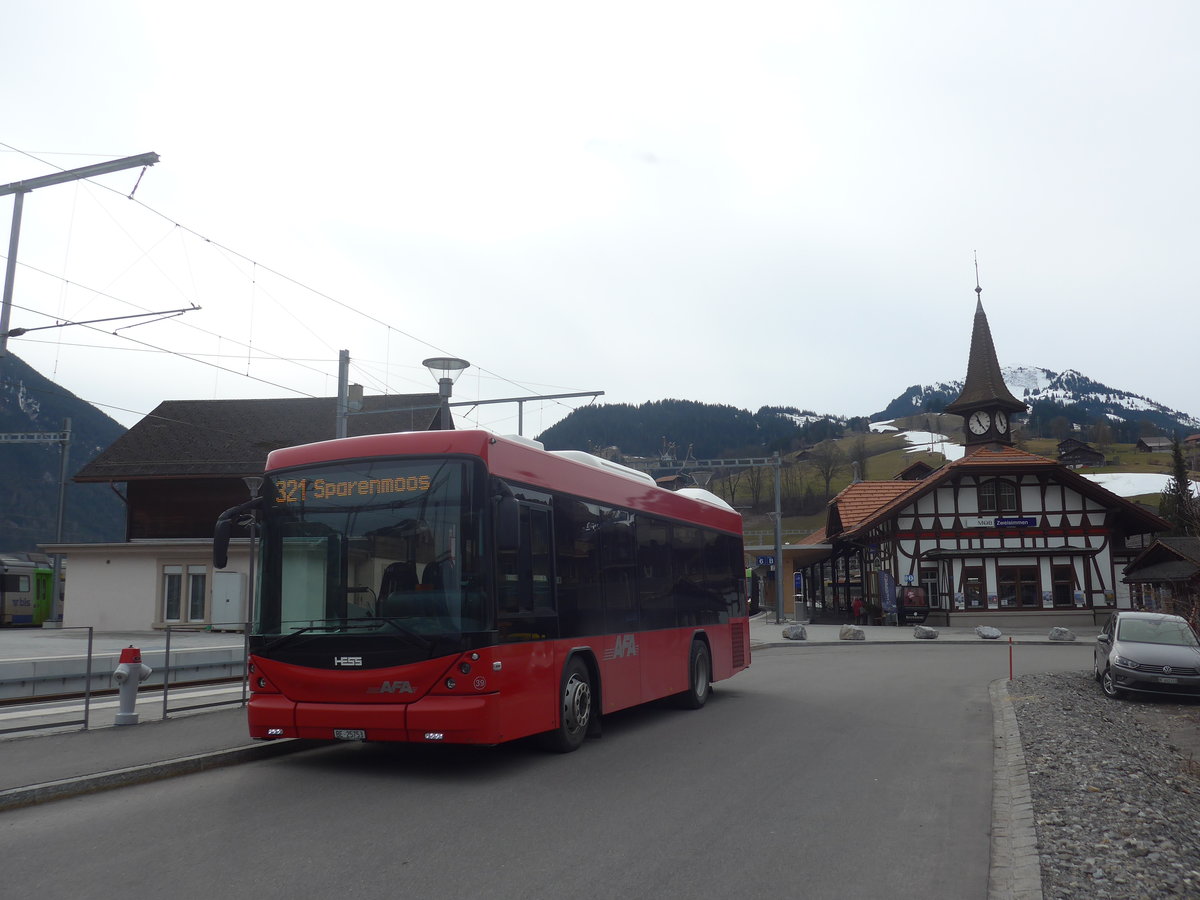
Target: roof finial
[{"x": 978, "y": 289}]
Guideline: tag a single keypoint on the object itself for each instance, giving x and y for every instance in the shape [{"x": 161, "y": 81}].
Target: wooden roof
[
  {"x": 231, "y": 438},
  {"x": 1167, "y": 559}
]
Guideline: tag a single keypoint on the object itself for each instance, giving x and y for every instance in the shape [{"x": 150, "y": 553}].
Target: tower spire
[{"x": 985, "y": 401}]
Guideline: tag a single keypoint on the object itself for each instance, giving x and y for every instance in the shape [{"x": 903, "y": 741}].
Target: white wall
[{"x": 115, "y": 587}]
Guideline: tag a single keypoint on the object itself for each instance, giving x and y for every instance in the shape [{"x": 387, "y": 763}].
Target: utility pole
[{"x": 19, "y": 189}]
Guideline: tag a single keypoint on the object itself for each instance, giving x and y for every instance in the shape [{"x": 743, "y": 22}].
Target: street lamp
[
  {"x": 446, "y": 370},
  {"x": 254, "y": 484}
]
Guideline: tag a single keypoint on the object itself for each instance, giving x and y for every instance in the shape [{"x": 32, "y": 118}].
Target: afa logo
[
  {"x": 392, "y": 687},
  {"x": 626, "y": 645}
]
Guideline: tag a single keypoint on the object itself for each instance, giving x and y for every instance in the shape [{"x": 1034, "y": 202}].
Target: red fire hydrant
[{"x": 129, "y": 674}]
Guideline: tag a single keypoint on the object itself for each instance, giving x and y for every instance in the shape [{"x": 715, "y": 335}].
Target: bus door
[
  {"x": 527, "y": 618},
  {"x": 525, "y": 580}
]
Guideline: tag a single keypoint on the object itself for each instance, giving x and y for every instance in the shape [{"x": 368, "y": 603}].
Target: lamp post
[
  {"x": 254, "y": 484},
  {"x": 446, "y": 370}
]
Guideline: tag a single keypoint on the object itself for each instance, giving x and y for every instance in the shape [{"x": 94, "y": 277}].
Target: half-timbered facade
[{"x": 1000, "y": 536}]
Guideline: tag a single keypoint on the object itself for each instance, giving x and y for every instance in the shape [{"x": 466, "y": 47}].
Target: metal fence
[
  {"x": 87, "y": 693},
  {"x": 169, "y": 672},
  {"x": 241, "y": 701}
]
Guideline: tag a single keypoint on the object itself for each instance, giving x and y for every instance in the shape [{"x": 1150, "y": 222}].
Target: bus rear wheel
[
  {"x": 575, "y": 708},
  {"x": 699, "y": 677}
]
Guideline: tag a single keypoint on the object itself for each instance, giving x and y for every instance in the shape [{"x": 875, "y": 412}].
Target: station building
[{"x": 999, "y": 537}]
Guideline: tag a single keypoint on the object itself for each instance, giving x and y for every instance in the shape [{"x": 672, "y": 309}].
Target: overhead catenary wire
[{"x": 257, "y": 265}]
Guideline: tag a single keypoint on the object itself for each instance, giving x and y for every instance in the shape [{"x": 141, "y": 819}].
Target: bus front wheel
[
  {"x": 575, "y": 708},
  {"x": 699, "y": 677}
]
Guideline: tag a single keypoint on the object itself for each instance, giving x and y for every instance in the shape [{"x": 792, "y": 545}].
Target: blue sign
[
  {"x": 887, "y": 592},
  {"x": 1016, "y": 522},
  {"x": 766, "y": 560}
]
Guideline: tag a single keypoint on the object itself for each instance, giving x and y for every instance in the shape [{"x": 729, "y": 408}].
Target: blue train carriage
[{"x": 26, "y": 589}]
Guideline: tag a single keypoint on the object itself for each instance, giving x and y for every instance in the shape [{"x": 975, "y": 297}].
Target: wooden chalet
[
  {"x": 999, "y": 537},
  {"x": 1154, "y": 445},
  {"x": 177, "y": 470},
  {"x": 914, "y": 471},
  {"x": 1076, "y": 454},
  {"x": 1166, "y": 576}
]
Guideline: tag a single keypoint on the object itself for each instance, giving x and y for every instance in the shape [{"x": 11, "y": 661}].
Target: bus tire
[
  {"x": 699, "y": 677},
  {"x": 575, "y": 708}
]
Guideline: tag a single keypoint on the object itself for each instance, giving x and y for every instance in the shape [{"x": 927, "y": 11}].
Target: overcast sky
[{"x": 752, "y": 203}]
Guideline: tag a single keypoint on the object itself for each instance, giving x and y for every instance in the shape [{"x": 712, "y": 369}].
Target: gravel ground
[{"x": 1115, "y": 787}]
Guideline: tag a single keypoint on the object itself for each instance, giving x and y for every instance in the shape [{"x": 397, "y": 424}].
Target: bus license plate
[
  {"x": 1168, "y": 680},
  {"x": 349, "y": 734}
]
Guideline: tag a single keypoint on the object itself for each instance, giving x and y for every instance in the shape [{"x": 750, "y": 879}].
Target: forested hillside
[
  {"x": 710, "y": 430},
  {"x": 30, "y": 403}
]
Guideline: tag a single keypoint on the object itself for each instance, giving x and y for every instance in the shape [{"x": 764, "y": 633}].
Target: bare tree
[
  {"x": 828, "y": 460},
  {"x": 792, "y": 488},
  {"x": 756, "y": 481}
]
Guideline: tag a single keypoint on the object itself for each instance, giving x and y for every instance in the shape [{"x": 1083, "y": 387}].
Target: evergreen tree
[{"x": 1177, "y": 505}]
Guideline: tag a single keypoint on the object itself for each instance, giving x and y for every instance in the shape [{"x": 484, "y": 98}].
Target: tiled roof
[
  {"x": 817, "y": 537},
  {"x": 196, "y": 438},
  {"x": 860, "y": 500}
]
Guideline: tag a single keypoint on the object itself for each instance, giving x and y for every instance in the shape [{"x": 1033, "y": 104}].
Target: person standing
[{"x": 857, "y": 606}]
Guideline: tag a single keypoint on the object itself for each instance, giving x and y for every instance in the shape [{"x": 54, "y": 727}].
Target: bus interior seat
[
  {"x": 434, "y": 576},
  {"x": 399, "y": 576}
]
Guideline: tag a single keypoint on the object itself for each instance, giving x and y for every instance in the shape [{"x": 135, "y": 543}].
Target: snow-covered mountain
[{"x": 1069, "y": 394}]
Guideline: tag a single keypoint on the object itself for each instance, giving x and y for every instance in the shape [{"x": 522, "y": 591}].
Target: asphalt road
[{"x": 835, "y": 771}]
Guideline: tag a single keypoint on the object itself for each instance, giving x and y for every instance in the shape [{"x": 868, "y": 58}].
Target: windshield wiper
[{"x": 373, "y": 623}]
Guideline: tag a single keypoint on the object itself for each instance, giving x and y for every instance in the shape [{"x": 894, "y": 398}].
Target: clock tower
[{"x": 985, "y": 403}]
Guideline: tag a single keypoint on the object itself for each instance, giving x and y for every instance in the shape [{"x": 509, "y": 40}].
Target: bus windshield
[{"x": 370, "y": 547}]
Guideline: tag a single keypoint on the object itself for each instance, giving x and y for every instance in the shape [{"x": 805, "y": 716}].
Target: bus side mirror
[
  {"x": 224, "y": 526},
  {"x": 508, "y": 524},
  {"x": 221, "y": 539}
]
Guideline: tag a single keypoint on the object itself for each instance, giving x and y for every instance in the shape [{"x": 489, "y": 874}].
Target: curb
[
  {"x": 762, "y": 645},
  {"x": 1015, "y": 872},
  {"x": 16, "y": 798}
]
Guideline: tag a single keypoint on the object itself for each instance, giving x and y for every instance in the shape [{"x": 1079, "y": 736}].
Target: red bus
[{"x": 462, "y": 587}]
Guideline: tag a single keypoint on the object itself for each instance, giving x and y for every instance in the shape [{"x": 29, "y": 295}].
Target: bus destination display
[{"x": 303, "y": 490}]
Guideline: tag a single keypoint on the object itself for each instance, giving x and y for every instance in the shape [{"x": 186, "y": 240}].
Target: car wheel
[{"x": 1110, "y": 686}]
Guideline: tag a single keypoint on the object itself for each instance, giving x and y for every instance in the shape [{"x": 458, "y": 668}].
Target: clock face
[
  {"x": 979, "y": 422},
  {"x": 1001, "y": 422}
]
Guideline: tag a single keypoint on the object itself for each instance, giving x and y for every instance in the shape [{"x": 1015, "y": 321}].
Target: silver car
[{"x": 1148, "y": 653}]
